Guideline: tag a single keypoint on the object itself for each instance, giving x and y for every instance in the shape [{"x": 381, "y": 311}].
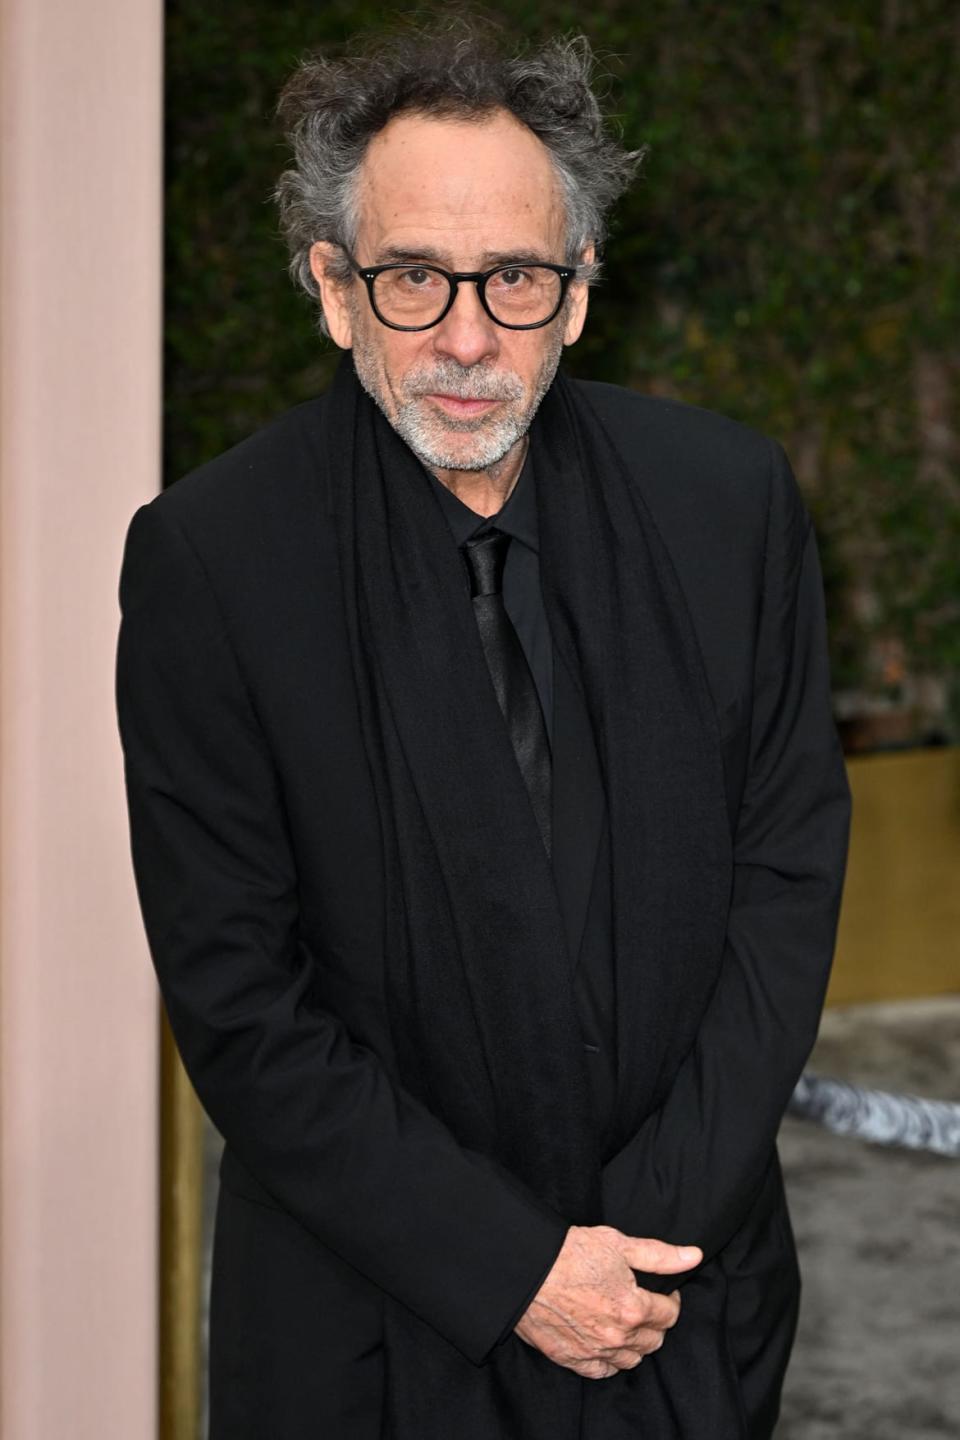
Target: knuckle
[{"x": 662, "y": 1316}]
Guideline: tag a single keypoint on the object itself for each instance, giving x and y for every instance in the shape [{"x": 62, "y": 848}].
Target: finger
[
  {"x": 648, "y": 1308},
  {"x": 642, "y": 1341},
  {"x": 628, "y": 1359},
  {"x": 594, "y": 1369},
  {"x": 659, "y": 1312},
  {"x": 657, "y": 1256}
]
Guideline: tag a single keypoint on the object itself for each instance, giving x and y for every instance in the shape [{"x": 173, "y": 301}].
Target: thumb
[{"x": 657, "y": 1256}]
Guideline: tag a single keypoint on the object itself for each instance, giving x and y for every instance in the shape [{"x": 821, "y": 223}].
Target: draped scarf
[{"x": 477, "y": 970}]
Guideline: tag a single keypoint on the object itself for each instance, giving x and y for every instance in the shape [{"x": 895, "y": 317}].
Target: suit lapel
[{"x": 578, "y": 803}]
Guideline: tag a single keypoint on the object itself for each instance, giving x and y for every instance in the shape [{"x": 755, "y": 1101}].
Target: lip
[{"x": 453, "y": 405}]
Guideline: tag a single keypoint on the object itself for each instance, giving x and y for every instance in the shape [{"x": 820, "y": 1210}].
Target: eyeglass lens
[{"x": 417, "y": 295}]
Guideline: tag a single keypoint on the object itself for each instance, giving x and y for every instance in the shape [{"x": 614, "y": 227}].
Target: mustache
[{"x": 466, "y": 382}]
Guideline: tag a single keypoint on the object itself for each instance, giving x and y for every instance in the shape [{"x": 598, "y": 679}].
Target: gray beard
[{"x": 423, "y": 429}]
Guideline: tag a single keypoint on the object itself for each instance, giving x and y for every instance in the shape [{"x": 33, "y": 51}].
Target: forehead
[{"x": 463, "y": 188}]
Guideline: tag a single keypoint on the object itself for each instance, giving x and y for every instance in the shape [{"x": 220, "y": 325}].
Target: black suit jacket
[{"x": 255, "y": 845}]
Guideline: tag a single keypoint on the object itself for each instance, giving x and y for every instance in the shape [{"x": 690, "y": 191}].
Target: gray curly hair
[{"x": 331, "y": 108}]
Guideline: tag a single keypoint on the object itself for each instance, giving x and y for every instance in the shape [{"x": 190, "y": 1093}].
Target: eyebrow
[{"x": 489, "y": 260}]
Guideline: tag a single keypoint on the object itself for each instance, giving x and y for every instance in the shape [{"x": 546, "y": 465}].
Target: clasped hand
[{"x": 590, "y": 1314}]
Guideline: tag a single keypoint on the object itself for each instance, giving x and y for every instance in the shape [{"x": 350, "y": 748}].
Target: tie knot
[{"x": 485, "y": 556}]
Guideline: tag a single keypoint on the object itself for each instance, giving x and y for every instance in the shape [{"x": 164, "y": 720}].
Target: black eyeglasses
[{"x": 415, "y": 297}]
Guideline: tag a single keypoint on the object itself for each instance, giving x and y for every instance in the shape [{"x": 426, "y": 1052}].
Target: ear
[
  {"x": 577, "y": 301},
  {"x": 333, "y": 295}
]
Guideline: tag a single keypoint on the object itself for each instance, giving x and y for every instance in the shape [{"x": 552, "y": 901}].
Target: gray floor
[{"x": 878, "y": 1231}]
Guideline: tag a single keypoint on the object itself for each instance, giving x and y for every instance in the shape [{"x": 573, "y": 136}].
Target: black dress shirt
[
  {"x": 522, "y": 597},
  {"x": 523, "y": 601}
]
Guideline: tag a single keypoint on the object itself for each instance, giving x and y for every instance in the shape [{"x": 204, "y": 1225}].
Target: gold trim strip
[{"x": 181, "y": 1233}]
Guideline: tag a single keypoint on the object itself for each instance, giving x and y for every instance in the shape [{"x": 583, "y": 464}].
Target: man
[{"x": 487, "y": 811}]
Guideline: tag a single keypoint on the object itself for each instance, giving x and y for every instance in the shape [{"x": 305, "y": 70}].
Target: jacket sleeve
[
  {"x": 691, "y": 1172},
  {"x": 311, "y": 1113}
]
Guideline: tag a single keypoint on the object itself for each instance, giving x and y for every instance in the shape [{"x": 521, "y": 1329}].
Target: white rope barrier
[{"x": 878, "y": 1115}]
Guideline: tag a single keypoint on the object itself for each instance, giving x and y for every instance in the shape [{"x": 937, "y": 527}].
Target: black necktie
[{"x": 485, "y": 555}]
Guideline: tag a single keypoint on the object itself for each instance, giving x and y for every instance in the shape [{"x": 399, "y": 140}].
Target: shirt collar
[{"x": 517, "y": 516}]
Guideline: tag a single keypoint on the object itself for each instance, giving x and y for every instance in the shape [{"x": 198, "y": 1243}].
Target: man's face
[{"x": 465, "y": 195}]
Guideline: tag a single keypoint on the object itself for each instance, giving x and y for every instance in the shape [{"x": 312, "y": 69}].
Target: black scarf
[{"x": 478, "y": 974}]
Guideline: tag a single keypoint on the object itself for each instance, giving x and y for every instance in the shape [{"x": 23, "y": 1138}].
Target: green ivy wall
[{"x": 790, "y": 257}]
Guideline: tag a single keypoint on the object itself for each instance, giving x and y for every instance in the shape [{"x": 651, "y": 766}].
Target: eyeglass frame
[{"x": 369, "y": 273}]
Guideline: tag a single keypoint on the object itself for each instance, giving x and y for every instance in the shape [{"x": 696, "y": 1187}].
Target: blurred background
[{"x": 789, "y": 258}]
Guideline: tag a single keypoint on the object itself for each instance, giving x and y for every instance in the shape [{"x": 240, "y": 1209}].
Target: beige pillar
[{"x": 80, "y": 317}]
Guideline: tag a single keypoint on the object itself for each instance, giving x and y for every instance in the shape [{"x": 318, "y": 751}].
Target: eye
[
  {"x": 512, "y": 279},
  {"x": 417, "y": 278}
]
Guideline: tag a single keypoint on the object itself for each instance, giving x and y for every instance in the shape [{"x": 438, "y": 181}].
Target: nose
[{"x": 466, "y": 332}]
